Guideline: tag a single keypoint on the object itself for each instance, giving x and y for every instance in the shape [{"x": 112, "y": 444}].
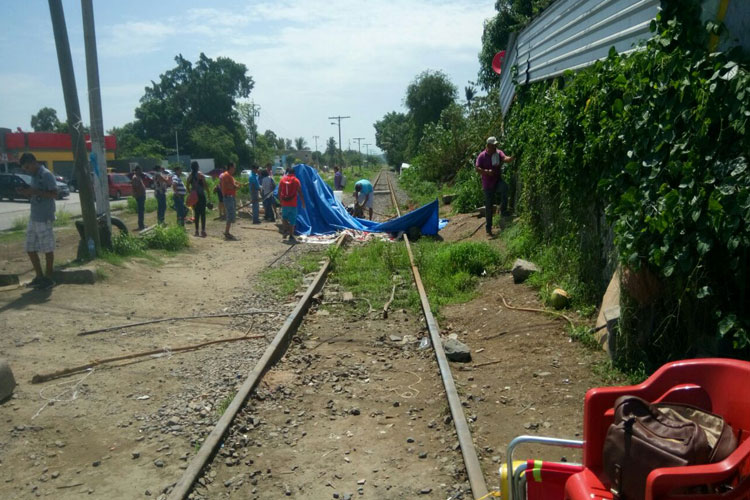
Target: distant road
[{"x": 13, "y": 210}]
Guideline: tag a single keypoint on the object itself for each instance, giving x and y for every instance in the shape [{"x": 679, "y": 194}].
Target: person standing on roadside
[
  {"x": 489, "y": 165},
  {"x": 363, "y": 195},
  {"x": 254, "y": 186},
  {"x": 229, "y": 190},
  {"x": 197, "y": 182},
  {"x": 160, "y": 193},
  {"x": 179, "y": 191},
  {"x": 289, "y": 189},
  {"x": 217, "y": 190},
  {"x": 338, "y": 179},
  {"x": 267, "y": 185},
  {"x": 39, "y": 233},
  {"x": 139, "y": 193}
]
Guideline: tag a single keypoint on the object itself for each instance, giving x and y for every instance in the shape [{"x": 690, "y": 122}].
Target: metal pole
[
  {"x": 359, "y": 150},
  {"x": 177, "y": 146},
  {"x": 339, "y": 118},
  {"x": 98, "y": 148},
  {"x": 75, "y": 124}
]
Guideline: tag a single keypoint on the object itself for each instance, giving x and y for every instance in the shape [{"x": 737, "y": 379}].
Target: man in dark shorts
[{"x": 489, "y": 165}]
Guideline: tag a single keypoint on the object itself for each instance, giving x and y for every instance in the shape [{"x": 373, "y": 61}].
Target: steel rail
[
  {"x": 272, "y": 354},
  {"x": 471, "y": 461}
]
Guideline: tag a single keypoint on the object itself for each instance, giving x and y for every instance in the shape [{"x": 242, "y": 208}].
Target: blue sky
[{"x": 310, "y": 59}]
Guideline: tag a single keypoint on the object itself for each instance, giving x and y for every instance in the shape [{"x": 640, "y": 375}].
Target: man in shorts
[
  {"x": 229, "y": 190},
  {"x": 39, "y": 235},
  {"x": 363, "y": 197},
  {"x": 289, "y": 189}
]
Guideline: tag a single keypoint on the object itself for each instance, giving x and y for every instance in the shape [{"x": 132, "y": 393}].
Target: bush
[
  {"x": 126, "y": 245},
  {"x": 170, "y": 238},
  {"x": 148, "y": 207}
]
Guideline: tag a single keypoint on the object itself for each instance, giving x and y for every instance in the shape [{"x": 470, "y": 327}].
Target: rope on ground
[
  {"x": 280, "y": 256},
  {"x": 388, "y": 304},
  {"x": 39, "y": 378},
  {"x": 180, "y": 318},
  {"x": 544, "y": 311},
  {"x": 414, "y": 392},
  {"x": 72, "y": 389}
]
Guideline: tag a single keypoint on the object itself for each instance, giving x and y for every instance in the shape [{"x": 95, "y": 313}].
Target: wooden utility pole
[
  {"x": 341, "y": 147},
  {"x": 98, "y": 150},
  {"x": 359, "y": 150},
  {"x": 75, "y": 125}
]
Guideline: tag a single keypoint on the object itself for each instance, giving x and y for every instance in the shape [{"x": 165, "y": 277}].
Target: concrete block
[
  {"x": 609, "y": 314},
  {"x": 79, "y": 276},
  {"x": 8, "y": 279},
  {"x": 7, "y": 381}
]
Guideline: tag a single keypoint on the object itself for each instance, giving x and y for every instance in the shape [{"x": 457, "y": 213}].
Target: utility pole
[
  {"x": 254, "y": 113},
  {"x": 359, "y": 149},
  {"x": 339, "y": 118},
  {"x": 75, "y": 124},
  {"x": 98, "y": 150},
  {"x": 316, "y": 137},
  {"x": 367, "y": 154},
  {"x": 177, "y": 146}
]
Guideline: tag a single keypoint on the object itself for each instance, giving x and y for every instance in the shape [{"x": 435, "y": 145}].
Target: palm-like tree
[
  {"x": 470, "y": 93},
  {"x": 300, "y": 143}
]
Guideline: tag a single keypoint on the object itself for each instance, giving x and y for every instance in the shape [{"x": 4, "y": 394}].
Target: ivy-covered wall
[{"x": 656, "y": 141}]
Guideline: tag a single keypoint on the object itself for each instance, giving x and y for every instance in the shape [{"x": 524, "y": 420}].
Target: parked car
[
  {"x": 119, "y": 185},
  {"x": 62, "y": 190},
  {"x": 9, "y": 183}
]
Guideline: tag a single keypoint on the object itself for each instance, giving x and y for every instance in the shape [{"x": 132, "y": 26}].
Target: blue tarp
[{"x": 324, "y": 215}]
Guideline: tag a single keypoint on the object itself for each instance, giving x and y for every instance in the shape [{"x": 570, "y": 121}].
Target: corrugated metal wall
[{"x": 572, "y": 34}]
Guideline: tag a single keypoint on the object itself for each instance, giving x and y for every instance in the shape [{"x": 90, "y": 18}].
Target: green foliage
[
  {"x": 62, "y": 218},
  {"x": 170, "y": 238},
  {"x": 45, "y": 120},
  {"x": 127, "y": 245},
  {"x": 20, "y": 223},
  {"x": 426, "y": 98},
  {"x": 215, "y": 142},
  {"x": 419, "y": 190},
  {"x": 656, "y": 140},
  {"x": 284, "y": 281},
  {"x": 148, "y": 206},
  {"x": 392, "y": 136}
]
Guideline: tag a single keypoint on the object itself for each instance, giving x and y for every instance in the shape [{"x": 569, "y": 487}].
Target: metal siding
[{"x": 572, "y": 34}]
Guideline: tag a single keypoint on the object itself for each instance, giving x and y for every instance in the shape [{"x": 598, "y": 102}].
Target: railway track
[{"x": 343, "y": 402}]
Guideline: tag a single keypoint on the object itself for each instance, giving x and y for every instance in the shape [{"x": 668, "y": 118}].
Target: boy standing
[
  {"x": 289, "y": 189},
  {"x": 139, "y": 193},
  {"x": 229, "y": 191}
]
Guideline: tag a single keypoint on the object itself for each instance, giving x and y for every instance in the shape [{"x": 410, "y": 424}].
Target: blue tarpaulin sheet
[{"x": 323, "y": 214}]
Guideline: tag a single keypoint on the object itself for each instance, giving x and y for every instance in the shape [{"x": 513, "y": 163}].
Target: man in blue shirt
[
  {"x": 39, "y": 235},
  {"x": 255, "y": 193},
  {"x": 363, "y": 197}
]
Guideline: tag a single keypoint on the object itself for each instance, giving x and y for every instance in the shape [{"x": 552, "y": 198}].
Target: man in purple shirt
[{"x": 488, "y": 165}]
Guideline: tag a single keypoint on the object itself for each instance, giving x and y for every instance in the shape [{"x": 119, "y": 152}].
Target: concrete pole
[
  {"x": 95, "y": 108},
  {"x": 75, "y": 124}
]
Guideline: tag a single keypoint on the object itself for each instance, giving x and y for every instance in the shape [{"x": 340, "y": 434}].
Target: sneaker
[
  {"x": 45, "y": 284},
  {"x": 203, "y": 234},
  {"x": 35, "y": 282}
]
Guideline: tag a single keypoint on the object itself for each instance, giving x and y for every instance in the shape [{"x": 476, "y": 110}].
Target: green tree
[
  {"x": 331, "y": 151},
  {"x": 264, "y": 150},
  {"x": 470, "y": 92},
  {"x": 191, "y": 96},
  {"x": 426, "y": 97},
  {"x": 45, "y": 121},
  {"x": 392, "y": 136},
  {"x": 300, "y": 143},
  {"x": 247, "y": 114},
  {"x": 215, "y": 142}
]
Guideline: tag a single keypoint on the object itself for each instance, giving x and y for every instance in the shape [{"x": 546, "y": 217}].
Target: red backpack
[{"x": 288, "y": 188}]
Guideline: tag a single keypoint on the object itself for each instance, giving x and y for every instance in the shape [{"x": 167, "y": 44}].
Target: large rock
[
  {"x": 7, "y": 381},
  {"x": 522, "y": 269},
  {"x": 456, "y": 351}
]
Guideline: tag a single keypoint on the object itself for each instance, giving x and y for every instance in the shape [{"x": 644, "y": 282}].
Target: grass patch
[
  {"x": 63, "y": 218},
  {"x": 20, "y": 223},
  {"x": 224, "y": 404},
  {"x": 148, "y": 207},
  {"x": 11, "y": 236},
  {"x": 167, "y": 238},
  {"x": 449, "y": 271},
  {"x": 284, "y": 281},
  {"x": 101, "y": 274},
  {"x": 170, "y": 238}
]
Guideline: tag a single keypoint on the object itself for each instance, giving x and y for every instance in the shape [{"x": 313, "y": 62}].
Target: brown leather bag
[{"x": 644, "y": 437}]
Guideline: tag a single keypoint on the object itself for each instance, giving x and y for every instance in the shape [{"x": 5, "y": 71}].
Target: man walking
[
  {"x": 179, "y": 192},
  {"x": 254, "y": 186},
  {"x": 229, "y": 191},
  {"x": 488, "y": 165},
  {"x": 160, "y": 193},
  {"x": 39, "y": 234},
  {"x": 363, "y": 195},
  {"x": 267, "y": 185},
  {"x": 139, "y": 193},
  {"x": 289, "y": 189}
]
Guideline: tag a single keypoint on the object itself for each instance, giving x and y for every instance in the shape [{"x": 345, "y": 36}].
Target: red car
[{"x": 119, "y": 185}]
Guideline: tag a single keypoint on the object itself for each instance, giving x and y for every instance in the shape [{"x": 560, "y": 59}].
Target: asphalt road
[{"x": 11, "y": 211}]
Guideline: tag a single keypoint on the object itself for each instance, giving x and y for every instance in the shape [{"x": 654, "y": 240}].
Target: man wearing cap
[
  {"x": 488, "y": 165},
  {"x": 39, "y": 235},
  {"x": 363, "y": 194}
]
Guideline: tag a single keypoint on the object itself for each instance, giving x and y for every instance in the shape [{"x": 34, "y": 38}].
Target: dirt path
[{"x": 119, "y": 432}]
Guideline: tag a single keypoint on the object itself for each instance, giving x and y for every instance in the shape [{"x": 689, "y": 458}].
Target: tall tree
[
  {"x": 193, "y": 95},
  {"x": 469, "y": 92},
  {"x": 331, "y": 150},
  {"x": 215, "y": 142},
  {"x": 426, "y": 97},
  {"x": 45, "y": 121},
  {"x": 300, "y": 143},
  {"x": 246, "y": 113},
  {"x": 392, "y": 136}
]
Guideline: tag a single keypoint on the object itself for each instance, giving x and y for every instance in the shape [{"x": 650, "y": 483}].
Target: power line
[{"x": 338, "y": 119}]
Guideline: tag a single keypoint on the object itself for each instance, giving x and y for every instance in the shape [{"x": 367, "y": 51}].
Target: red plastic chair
[{"x": 721, "y": 386}]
